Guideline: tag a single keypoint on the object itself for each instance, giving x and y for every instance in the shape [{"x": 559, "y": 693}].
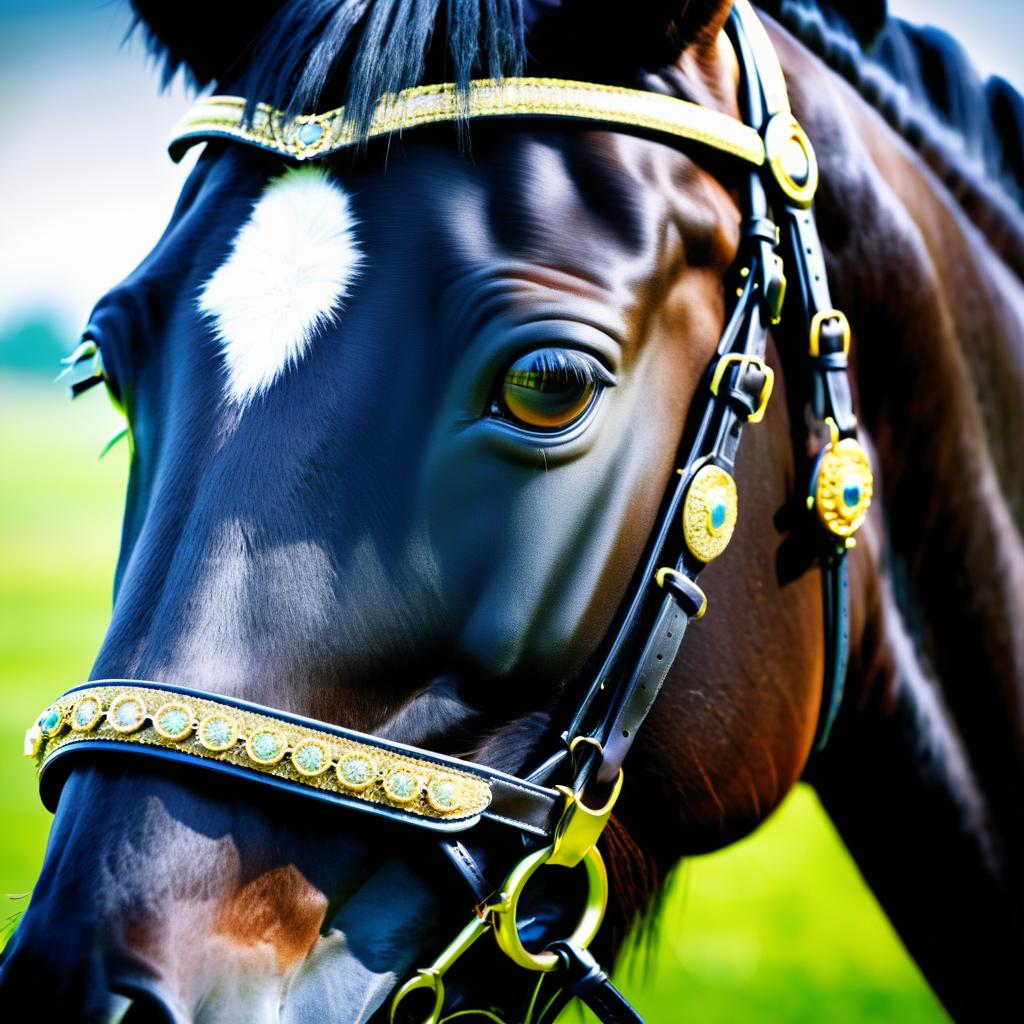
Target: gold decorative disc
[
  {"x": 709, "y": 512},
  {"x": 842, "y": 494}
]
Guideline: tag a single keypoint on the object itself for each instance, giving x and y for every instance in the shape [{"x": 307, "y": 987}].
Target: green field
[{"x": 778, "y": 928}]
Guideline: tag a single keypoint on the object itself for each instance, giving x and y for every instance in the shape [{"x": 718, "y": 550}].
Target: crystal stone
[
  {"x": 127, "y": 714},
  {"x": 309, "y": 757},
  {"x": 401, "y": 786},
  {"x": 356, "y": 771},
  {"x": 85, "y": 713},
  {"x": 50, "y": 721},
  {"x": 174, "y": 722},
  {"x": 266, "y": 746},
  {"x": 309, "y": 134},
  {"x": 217, "y": 732},
  {"x": 443, "y": 794}
]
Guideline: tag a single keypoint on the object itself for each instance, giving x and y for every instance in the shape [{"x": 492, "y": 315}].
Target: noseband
[{"x": 548, "y": 816}]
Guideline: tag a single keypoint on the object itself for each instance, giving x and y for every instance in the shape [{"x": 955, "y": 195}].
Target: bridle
[{"x": 549, "y": 811}]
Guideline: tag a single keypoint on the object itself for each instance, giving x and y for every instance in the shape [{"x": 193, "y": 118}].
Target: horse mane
[{"x": 969, "y": 130}]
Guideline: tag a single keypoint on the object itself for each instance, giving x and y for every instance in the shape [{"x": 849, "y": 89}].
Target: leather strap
[
  {"x": 835, "y": 585},
  {"x": 589, "y": 982}
]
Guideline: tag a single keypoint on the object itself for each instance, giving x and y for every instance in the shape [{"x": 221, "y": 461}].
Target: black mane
[{"x": 969, "y": 129}]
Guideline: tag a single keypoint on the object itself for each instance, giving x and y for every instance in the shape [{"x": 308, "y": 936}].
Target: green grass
[{"x": 777, "y": 928}]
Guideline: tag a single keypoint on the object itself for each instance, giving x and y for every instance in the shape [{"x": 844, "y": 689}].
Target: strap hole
[
  {"x": 660, "y": 657},
  {"x": 625, "y": 734}
]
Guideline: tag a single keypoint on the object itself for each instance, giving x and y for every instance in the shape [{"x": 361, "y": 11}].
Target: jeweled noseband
[{"x": 552, "y": 823}]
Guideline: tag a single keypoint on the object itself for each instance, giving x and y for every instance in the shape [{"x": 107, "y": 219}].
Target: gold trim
[
  {"x": 710, "y": 488},
  {"x": 221, "y": 116},
  {"x": 471, "y": 796}
]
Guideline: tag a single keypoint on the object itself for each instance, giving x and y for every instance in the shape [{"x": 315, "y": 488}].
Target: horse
[{"x": 405, "y": 423}]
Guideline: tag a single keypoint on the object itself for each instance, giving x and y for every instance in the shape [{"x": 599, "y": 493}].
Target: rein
[{"x": 545, "y": 813}]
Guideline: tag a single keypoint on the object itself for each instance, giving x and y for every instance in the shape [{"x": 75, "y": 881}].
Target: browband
[
  {"x": 317, "y": 135},
  {"x": 340, "y": 766}
]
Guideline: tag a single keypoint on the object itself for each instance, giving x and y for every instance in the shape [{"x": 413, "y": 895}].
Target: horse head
[{"x": 403, "y": 423}]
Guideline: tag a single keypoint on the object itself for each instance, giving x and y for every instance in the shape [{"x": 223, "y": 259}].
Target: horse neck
[{"x": 939, "y": 346}]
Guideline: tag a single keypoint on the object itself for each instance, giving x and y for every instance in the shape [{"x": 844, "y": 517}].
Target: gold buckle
[
  {"x": 766, "y": 389},
  {"x": 575, "y": 842},
  {"x": 818, "y": 321},
  {"x": 503, "y": 913}
]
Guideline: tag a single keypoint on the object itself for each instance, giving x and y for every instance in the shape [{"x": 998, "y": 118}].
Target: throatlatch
[{"x": 556, "y": 824}]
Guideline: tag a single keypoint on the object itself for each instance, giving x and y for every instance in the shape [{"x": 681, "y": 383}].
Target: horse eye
[{"x": 551, "y": 388}]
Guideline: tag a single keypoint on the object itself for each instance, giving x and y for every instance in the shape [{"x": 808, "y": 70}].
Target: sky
[{"x": 86, "y": 186}]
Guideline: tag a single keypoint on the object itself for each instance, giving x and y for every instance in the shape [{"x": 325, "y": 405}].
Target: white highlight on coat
[{"x": 289, "y": 269}]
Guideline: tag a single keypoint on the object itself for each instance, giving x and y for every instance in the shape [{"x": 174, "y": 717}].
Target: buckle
[
  {"x": 766, "y": 389},
  {"x": 819, "y": 320}
]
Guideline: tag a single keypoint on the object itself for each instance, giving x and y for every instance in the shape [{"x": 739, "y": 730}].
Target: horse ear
[
  {"x": 614, "y": 34},
  {"x": 210, "y": 39}
]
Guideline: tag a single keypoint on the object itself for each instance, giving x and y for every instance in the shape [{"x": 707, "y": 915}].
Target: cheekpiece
[
  {"x": 843, "y": 488},
  {"x": 204, "y": 728},
  {"x": 710, "y": 510}
]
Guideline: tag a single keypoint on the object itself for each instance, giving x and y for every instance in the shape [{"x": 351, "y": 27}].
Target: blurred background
[{"x": 778, "y": 928}]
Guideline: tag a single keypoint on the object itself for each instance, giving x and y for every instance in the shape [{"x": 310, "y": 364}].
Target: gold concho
[
  {"x": 842, "y": 494},
  {"x": 266, "y": 746},
  {"x": 86, "y": 713},
  {"x": 126, "y": 714},
  {"x": 709, "y": 512},
  {"x": 218, "y": 733},
  {"x": 356, "y": 772},
  {"x": 401, "y": 786},
  {"x": 310, "y": 758},
  {"x": 174, "y": 721},
  {"x": 443, "y": 794}
]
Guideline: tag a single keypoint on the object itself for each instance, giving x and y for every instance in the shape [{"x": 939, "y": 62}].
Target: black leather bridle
[{"x": 551, "y": 810}]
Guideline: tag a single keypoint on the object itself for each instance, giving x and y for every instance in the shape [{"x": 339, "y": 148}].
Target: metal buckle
[
  {"x": 575, "y": 842},
  {"x": 575, "y": 838},
  {"x": 503, "y": 914},
  {"x": 766, "y": 389},
  {"x": 818, "y": 321}
]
